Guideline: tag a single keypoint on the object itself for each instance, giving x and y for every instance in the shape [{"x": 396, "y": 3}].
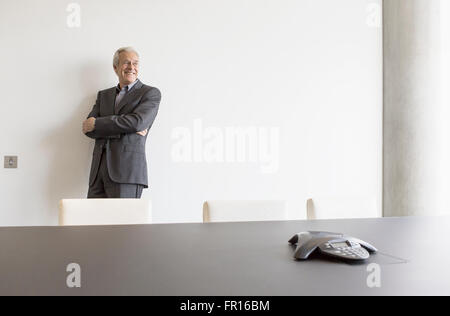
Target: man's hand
[
  {"x": 143, "y": 133},
  {"x": 89, "y": 125}
]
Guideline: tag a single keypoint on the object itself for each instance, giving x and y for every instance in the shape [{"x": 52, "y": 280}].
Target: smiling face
[{"x": 128, "y": 68}]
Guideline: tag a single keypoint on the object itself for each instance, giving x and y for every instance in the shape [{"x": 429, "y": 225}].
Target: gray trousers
[{"x": 104, "y": 188}]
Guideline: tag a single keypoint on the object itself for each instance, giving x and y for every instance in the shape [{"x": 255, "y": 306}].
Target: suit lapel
[
  {"x": 110, "y": 97},
  {"x": 129, "y": 96}
]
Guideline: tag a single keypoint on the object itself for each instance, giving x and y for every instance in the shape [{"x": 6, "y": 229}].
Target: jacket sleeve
[
  {"x": 139, "y": 120},
  {"x": 96, "y": 113}
]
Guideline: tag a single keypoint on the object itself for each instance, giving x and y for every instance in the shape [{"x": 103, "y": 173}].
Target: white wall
[{"x": 309, "y": 71}]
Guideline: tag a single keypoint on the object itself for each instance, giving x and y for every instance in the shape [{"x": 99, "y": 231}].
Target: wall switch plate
[{"x": 10, "y": 162}]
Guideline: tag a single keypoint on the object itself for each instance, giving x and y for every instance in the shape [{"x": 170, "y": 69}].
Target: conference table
[{"x": 224, "y": 259}]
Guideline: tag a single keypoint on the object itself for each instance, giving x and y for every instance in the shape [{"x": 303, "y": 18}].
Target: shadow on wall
[{"x": 69, "y": 150}]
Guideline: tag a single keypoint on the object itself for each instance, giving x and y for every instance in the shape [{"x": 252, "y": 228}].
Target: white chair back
[
  {"x": 244, "y": 211},
  {"x": 341, "y": 207},
  {"x": 78, "y": 212}
]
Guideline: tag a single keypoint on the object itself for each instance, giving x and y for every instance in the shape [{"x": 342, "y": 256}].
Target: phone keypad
[{"x": 354, "y": 252}]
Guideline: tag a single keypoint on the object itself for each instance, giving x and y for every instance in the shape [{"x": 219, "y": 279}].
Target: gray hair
[{"x": 120, "y": 50}]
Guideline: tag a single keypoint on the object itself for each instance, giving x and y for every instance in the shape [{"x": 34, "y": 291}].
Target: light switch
[{"x": 10, "y": 162}]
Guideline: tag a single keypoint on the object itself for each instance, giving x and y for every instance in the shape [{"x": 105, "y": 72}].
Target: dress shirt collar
[{"x": 128, "y": 87}]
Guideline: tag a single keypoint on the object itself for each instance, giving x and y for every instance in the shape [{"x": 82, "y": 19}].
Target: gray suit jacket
[{"x": 115, "y": 130}]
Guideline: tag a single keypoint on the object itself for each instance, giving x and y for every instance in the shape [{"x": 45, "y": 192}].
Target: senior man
[{"x": 119, "y": 122}]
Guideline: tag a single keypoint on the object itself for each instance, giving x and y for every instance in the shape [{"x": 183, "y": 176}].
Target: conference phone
[{"x": 331, "y": 244}]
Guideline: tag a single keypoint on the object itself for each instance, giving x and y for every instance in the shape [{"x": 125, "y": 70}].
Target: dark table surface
[{"x": 229, "y": 259}]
